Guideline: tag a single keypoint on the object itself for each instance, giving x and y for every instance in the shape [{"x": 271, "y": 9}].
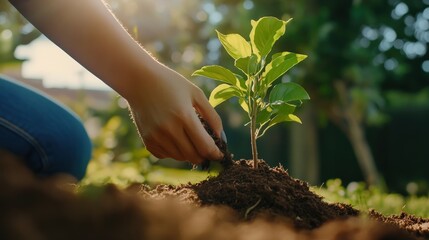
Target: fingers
[
  {"x": 175, "y": 131},
  {"x": 172, "y": 141},
  {"x": 208, "y": 113},
  {"x": 201, "y": 140},
  {"x": 154, "y": 148},
  {"x": 190, "y": 150}
]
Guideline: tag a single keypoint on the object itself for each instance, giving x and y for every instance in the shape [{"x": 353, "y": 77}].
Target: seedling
[{"x": 257, "y": 77}]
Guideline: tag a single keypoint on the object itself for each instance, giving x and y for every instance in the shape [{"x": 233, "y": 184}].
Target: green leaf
[
  {"x": 236, "y": 46},
  {"x": 279, "y": 65},
  {"x": 284, "y": 118},
  {"x": 241, "y": 83},
  {"x": 265, "y": 32},
  {"x": 218, "y": 73},
  {"x": 222, "y": 93},
  {"x": 242, "y": 64},
  {"x": 253, "y": 64},
  {"x": 264, "y": 115},
  {"x": 253, "y": 23},
  {"x": 287, "y": 92},
  {"x": 243, "y": 105},
  {"x": 248, "y": 65},
  {"x": 274, "y": 109},
  {"x": 280, "y": 112},
  {"x": 282, "y": 107}
]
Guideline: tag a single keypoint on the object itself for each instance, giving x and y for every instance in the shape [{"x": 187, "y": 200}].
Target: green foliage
[
  {"x": 250, "y": 60},
  {"x": 14, "y": 31},
  {"x": 173, "y": 176},
  {"x": 257, "y": 76},
  {"x": 123, "y": 174},
  {"x": 119, "y": 173},
  {"x": 363, "y": 198}
]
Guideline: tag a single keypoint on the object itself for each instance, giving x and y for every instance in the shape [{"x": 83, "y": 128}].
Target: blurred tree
[
  {"x": 357, "y": 49},
  {"x": 173, "y": 31},
  {"x": 117, "y": 139},
  {"x": 14, "y": 31}
]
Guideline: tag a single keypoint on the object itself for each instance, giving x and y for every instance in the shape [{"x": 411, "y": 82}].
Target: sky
[{"x": 45, "y": 60}]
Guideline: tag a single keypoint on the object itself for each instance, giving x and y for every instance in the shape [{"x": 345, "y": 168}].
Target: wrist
[{"x": 137, "y": 78}]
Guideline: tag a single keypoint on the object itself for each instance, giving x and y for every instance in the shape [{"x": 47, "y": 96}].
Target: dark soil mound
[
  {"x": 271, "y": 195},
  {"x": 269, "y": 192},
  {"x": 264, "y": 192}
]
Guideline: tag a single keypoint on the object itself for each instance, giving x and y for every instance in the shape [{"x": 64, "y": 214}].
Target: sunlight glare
[{"x": 44, "y": 60}]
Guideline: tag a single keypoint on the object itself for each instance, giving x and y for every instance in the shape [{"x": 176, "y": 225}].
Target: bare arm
[{"x": 161, "y": 100}]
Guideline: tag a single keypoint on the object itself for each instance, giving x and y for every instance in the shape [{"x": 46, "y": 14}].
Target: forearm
[
  {"x": 165, "y": 114},
  {"x": 88, "y": 32}
]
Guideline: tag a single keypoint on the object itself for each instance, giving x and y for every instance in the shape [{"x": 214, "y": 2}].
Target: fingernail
[{"x": 223, "y": 136}]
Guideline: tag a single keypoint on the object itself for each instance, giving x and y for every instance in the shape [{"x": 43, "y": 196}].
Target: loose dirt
[
  {"x": 233, "y": 205},
  {"x": 265, "y": 192}
]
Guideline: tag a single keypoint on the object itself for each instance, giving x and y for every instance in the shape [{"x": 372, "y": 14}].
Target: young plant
[{"x": 257, "y": 76}]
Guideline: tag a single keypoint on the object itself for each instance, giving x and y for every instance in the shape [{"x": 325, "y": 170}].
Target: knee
[
  {"x": 72, "y": 151},
  {"x": 82, "y": 153},
  {"x": 50, "y": 136}
]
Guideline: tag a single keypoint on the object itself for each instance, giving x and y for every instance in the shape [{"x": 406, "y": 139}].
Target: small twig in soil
[{"x": 251, "y": 208}]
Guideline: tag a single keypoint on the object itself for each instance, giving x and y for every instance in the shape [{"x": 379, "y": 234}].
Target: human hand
[{"x": 164, "y": 109}]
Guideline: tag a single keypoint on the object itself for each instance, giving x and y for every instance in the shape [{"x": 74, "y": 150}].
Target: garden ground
[{"x": 276, "y": 207}]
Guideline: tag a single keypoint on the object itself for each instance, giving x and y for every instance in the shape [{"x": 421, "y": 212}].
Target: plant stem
[
  {"x": 253, "y": 138},
  {"x": 253, "y": 115}
]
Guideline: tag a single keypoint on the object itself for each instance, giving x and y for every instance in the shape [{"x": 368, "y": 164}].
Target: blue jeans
[{"x": 48, "y": 136}]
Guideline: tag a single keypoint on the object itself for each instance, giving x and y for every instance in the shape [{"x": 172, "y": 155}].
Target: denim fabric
[{"x": 48, "y": 136}]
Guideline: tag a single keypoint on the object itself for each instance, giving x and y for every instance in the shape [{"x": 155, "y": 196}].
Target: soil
[
  {"x": 33, "y": 208},
  {"x": 268, "y": 193},
  {"x": 226, "y": 161}
]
